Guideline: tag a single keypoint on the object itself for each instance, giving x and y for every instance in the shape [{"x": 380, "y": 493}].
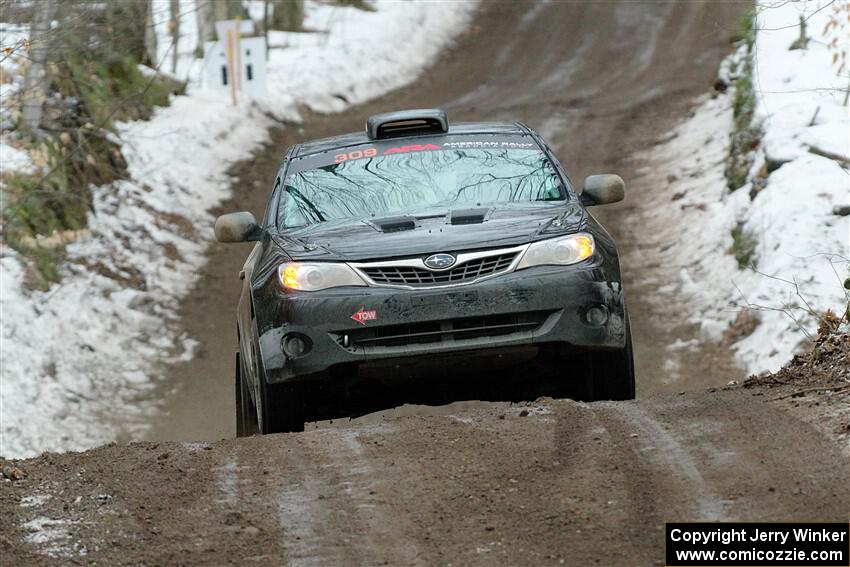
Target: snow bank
[
  {"x": 802, "y": 248},
  {"x": 12, "y": 38},
  {"x": 87, "y": 348}
]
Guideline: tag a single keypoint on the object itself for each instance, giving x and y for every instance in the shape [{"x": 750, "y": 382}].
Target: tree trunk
[
  {"x": 266, "y": 25},
  {"x": 227, "y": 10},
  {"x": 123, "y": 34},
  {"x": 206, "y": 21},
  {"x": 175, "y": 34},
  {"x": 288, "y": 15},
  {"x": 150, "y": 36},
  {"x": 36, "y": 79}
]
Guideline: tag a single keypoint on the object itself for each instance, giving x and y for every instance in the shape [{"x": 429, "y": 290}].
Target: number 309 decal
[{"x": 356, "y": 154}]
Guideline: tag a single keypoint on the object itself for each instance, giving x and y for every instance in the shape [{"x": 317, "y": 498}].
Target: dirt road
[
  {"x": 549, "y": 482},
  {"x": 533, "y": 484}
]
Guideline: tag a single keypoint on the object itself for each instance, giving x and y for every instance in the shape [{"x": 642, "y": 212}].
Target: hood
[{"x": 372, "y": 239}]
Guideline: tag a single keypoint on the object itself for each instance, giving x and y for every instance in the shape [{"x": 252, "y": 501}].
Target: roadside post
[{"x": 235, "y": 65}]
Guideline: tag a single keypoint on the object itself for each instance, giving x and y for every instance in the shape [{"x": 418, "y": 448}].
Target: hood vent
[
  {"x": 394, "y": 224},
  {"x": 468, "y": 216}
]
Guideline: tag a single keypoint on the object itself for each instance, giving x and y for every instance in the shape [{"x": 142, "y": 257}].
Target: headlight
[
  {"x": 317, "y": 276},
  {"x": 558, "y": 251}
]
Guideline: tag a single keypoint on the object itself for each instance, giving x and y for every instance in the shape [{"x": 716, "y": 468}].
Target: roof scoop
[
  {"x": 468, "y": 216},
  {"x": 407, "y": 123}
]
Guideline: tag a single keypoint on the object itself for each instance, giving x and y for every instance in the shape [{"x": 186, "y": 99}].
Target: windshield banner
[{"x": 404, "y": 146}]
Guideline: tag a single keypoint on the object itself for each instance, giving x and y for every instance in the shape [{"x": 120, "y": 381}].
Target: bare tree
[
  {"x": 35, "y": 80},
  {"x": 288, "y": 15},
  {"x": 266, "y": 25},
  {"x": 174, "y": 26},
  {"x": 228, "y": 9},
  {"x": 206, "y": 21},
  {"x": 150, "y": 35}
]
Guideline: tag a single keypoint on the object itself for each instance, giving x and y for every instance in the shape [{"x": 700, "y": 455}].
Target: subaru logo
[{"x": 440, "y": 261}]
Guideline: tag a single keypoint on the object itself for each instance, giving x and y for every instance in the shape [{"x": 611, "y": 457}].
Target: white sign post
[{"x": 236, "y": 64}]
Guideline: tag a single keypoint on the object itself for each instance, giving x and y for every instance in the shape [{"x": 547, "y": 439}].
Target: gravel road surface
[{"x": 522, "y": 484}]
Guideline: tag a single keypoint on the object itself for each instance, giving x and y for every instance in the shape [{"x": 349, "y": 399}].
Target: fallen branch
[
  {"x": 843, "y": 161},
  {"x": 835, "y": 389}
]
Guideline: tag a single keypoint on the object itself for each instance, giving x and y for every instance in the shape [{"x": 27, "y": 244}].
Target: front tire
[
  {"x": 612, "y": 374},
  {"x": 283, "y": 407},
  {"x": 246, "y": 414}
]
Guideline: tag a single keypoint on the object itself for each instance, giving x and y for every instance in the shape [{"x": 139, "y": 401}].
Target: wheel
[
  {"x": 612, "y": 374},
  {"x": 282, "y": 407},
  {"x": 246, "y": 414}
]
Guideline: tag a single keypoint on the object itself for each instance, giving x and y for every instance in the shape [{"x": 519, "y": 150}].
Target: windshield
[{"x": 414, "y": 182}]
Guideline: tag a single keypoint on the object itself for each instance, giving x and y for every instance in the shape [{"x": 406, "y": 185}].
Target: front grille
[
  {"x": 451, "y": 330},
  {"x": 463, "y": 272}
]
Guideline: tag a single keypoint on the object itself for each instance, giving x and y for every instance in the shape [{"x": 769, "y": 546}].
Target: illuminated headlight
[
  {"x": 558, "y": 251},
  {"x": 317, "y": 276}
]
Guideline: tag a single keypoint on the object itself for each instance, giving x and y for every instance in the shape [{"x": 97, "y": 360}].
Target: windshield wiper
[{"x": 303, "y": 201}]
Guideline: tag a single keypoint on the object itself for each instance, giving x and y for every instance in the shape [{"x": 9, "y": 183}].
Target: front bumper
[{"x": 538, "y": 306}]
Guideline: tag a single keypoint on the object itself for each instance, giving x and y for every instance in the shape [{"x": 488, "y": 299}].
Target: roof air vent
[{"x": 407, "y": 123}]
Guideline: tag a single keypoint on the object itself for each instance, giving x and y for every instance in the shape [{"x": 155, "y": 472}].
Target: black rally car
[{"x": 423, "y": 244}]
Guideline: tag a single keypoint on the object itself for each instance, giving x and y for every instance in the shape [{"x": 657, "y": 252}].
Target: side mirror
[
  {"x": 602, "y": 190},
  {"x": 237, "y": 227}
]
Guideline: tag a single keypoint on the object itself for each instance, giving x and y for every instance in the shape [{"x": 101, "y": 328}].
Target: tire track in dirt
[
  {"x": 665, "y": 452},
  {"x": 345, "y": 497}
]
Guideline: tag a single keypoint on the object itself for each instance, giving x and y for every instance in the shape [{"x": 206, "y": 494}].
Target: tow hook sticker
[{"x": 362, "y": 316}]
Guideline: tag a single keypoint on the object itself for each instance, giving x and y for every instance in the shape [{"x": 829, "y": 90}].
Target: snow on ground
[
  {"x": 52, "y": 537},
  {"x": 12, "y": 37},
  {"x": 14, "y": 159},
  {"x": 802, "y": 247},
  {"x": 86, "y": 349}
]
